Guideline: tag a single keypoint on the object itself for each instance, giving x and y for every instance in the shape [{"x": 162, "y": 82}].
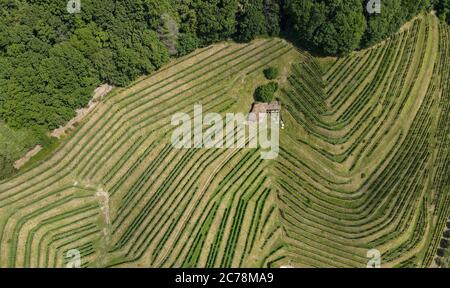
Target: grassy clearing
[{"x": 13, "y": 145}]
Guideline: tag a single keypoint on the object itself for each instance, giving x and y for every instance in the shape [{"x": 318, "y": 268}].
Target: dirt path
[
  {"x": 99, "y": 93},
  {"x": 22, "y": 161},
  {"x": 106, "y": 238},
  {"x": 104, "y": 205}
]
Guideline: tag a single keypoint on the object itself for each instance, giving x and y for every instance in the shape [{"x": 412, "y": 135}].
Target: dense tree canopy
[
  {"x": 340, "y": 26},
  {"x": 265, "y": 93},
  {"x": 256, "y": 18},
  {"x": 443, "y": 9},
  {"x": 329, "y": 26},
  {"x": 393, "y": 14},
  {"x": 51, "y": 60},
  {"x": 271, "y": 73}
]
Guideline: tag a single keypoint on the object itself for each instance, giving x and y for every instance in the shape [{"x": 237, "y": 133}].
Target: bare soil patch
[
  {"x": 99, "y": 93},
  {"x": 22, "y": 161}
]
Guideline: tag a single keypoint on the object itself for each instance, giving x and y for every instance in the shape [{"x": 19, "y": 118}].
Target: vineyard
[{"x": 363, "y": 165}]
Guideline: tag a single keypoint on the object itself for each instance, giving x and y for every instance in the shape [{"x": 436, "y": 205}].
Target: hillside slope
[{"x": 363, "y": 165}]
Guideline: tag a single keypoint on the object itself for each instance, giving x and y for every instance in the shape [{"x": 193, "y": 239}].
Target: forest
[{"x": 51, "y": 60}]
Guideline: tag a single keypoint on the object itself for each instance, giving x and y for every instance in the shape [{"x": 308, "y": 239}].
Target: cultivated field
[{"x": 363, "y": 164}]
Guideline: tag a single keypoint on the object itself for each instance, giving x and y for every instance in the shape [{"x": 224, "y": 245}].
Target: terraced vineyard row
[
  {"x": 366, "y": 170},
  {"x": 119, "y": 193},
  {"x": 363, "y": 164}
]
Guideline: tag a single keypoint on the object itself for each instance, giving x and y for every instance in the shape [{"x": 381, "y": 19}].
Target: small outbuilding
[{"x": 259, "y": 108}]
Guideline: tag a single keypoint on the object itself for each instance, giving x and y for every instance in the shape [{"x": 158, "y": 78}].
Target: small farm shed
[{"x": 263, "y": 108}]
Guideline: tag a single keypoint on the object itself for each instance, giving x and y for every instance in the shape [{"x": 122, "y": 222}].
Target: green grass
[
  {"x": 13, "y": 145},
  {"x": 362, "y": 165}
]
